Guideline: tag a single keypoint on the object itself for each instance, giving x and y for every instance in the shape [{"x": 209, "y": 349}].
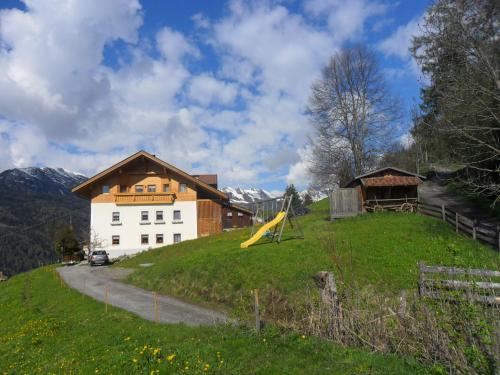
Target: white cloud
[
  {"x": 205, "y": 89},
  {"x": 299, "y": 172},
  {"x": 398, "y": 44},
  {"x": 63, "y": 106},
  {"x": 200, "y": 21},
  {"x": 345, "y": 19},
  {"x": 173, "y": 45}
]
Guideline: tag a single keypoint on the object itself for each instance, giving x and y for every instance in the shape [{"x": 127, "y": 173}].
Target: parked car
[{"x": 98, "y": 257}]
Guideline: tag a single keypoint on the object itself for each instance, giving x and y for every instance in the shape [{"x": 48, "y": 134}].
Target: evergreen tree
[
  {"x": 66, "y": 242},
  {"x": 296, "y": 201},
  {"x": 307, "y": 200}
]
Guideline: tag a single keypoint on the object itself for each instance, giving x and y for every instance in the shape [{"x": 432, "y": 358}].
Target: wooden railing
[
  {"x": 144, "y": 198},
  {"x": 470, "y": 284},
  {"x": 472, "y": 227}
]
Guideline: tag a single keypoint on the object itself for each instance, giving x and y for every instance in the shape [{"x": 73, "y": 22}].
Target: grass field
[
  {"x": 47, "y": 328},
  {"x": 380, "y": 250}
]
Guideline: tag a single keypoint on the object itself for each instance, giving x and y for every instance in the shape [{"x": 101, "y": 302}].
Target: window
[
  {"x": 177, "y": 237},
  {"x": 116, "y": 217},
  {"x": 151, "y": 188},
  {"x": 240, "y": 214},
  {"x": 177, "y": 215},
  {"x": 229, "y": 214},
  {"x": 105, "y": 189},
  {"x": 115, "y": 240},
  {"x": 166, "y": 188},
  {"x": 123, "y": 188},
  {"x": 159, "y": 238},
  {"x": 144, "y": 215},
  {"x": 139, "y": 189},
  {"x": 182, "y": 188},
  {"x": 159, "y": 215},
  {"x": 144, "y": 239}
]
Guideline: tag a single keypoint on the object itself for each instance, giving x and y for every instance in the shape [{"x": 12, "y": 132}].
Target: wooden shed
[
  {"x": 234, "y": 216},
  {"x": 387, "y": 188}
]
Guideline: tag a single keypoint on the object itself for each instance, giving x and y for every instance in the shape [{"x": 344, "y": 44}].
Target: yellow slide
[{"x": 263, "y": 229}]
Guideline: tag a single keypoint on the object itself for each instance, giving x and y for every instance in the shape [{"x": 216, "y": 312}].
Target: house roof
[
  {"x": 391, "y": 181},
  {"x": 387, "y": 182},
  {"x": 80, "y": 189},
  {"x": 240, "y": 208},
  {"x": 209, "y": 179}
]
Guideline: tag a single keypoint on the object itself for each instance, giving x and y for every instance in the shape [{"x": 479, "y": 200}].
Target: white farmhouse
[{"x": 143, "y": 202}]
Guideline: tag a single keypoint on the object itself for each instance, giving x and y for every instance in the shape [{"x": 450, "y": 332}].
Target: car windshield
[{"x": 99, "y": 253}]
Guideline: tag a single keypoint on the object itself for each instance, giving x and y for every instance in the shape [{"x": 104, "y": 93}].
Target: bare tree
[
  {"x": 353, "y": 113},
  {"x": 96, "y": 242}
]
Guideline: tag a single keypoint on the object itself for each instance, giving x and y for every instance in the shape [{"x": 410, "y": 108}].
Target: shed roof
[
  {"x": 240, "y": 208},
  {"x": 394, "y": 182},
  {"x": 391, "y": 181}
]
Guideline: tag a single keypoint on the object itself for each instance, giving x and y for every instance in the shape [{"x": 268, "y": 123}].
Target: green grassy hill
[
  {"x": 47, "y": 328},
  {"x": 378, "y": 250}
]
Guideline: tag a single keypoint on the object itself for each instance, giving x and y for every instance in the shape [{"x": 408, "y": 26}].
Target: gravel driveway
[
  {"x": 93, "y": 281},
  {"x": 434, "y": 193}
]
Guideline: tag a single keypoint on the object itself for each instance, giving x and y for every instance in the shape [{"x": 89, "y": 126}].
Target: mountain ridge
[{"x": 35, "y": 202}]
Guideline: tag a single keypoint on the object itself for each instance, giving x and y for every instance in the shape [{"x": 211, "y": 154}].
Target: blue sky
[{"x": 210, "y": 86}]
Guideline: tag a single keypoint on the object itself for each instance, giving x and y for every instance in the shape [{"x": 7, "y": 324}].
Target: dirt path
[
  {"x": 93, "y": 281},
  {"x": 432, "y": 192}
]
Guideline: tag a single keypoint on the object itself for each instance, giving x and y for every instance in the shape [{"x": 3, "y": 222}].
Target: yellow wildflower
[{"x": 171, "y": 357}]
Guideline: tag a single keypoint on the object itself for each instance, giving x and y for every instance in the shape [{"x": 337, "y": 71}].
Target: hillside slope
[
  {"x": 34, "y": 203},
  {"x": 46, "y": 327},
  {"x": 377, "y": 250}
]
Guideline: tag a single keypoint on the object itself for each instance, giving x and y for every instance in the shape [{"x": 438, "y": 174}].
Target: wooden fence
[
  {"x": 472, "y": 227},
  {"x": 344, "y": 202},
  {"x": 468, "y": 284}
]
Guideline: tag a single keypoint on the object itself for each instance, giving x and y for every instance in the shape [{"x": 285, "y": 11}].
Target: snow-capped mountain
[
  {"x": 40, "y": 180},
  {"x": 244, "y": 196},
  {"x": 38, "y": 199},
  {"x": 315, "y": 195}
]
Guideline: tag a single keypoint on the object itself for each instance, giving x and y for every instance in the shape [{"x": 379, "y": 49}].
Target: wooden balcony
[{"x": 144, "y": 198}]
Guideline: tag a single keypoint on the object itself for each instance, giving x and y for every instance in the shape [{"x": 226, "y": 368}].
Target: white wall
[{"x": 131, "y": 229}]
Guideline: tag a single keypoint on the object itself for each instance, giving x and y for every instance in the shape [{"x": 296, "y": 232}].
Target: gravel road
[
  {"x": 432, "y": 192},
  {"x": 93, "y": 281}
]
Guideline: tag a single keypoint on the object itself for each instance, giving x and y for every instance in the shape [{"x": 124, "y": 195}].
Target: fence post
[
  {"x": 456, "y": 222},
  {"x": 326, "y": 282},
  {"x": 155, "y": 302},
  {"x": 498, "y": 235},
  {"x": 474, "y": 229},
  {"x": 421, "y": 279},
  {"x": 257, "y": 311},
  {"x": 496, "y": 347},
  {"x": 106, "y": 298},
  {"x": 443, "y": 212}
]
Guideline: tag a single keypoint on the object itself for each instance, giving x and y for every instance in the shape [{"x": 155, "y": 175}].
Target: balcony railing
[{"x": 144, "y": 198}]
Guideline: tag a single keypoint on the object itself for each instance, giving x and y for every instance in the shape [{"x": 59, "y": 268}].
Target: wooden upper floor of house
[{"x": 144, "y": 179}]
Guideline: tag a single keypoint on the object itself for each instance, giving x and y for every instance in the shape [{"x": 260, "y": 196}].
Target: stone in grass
[{"x": 146, "y": 264}]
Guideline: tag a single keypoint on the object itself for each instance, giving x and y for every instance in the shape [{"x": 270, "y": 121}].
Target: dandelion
[
  {"x": 134, "y": 360},
  {"x": 126, "y": 338},
  {"x": 171, "y": 357},
  {"x": 303, "y": 337}
]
